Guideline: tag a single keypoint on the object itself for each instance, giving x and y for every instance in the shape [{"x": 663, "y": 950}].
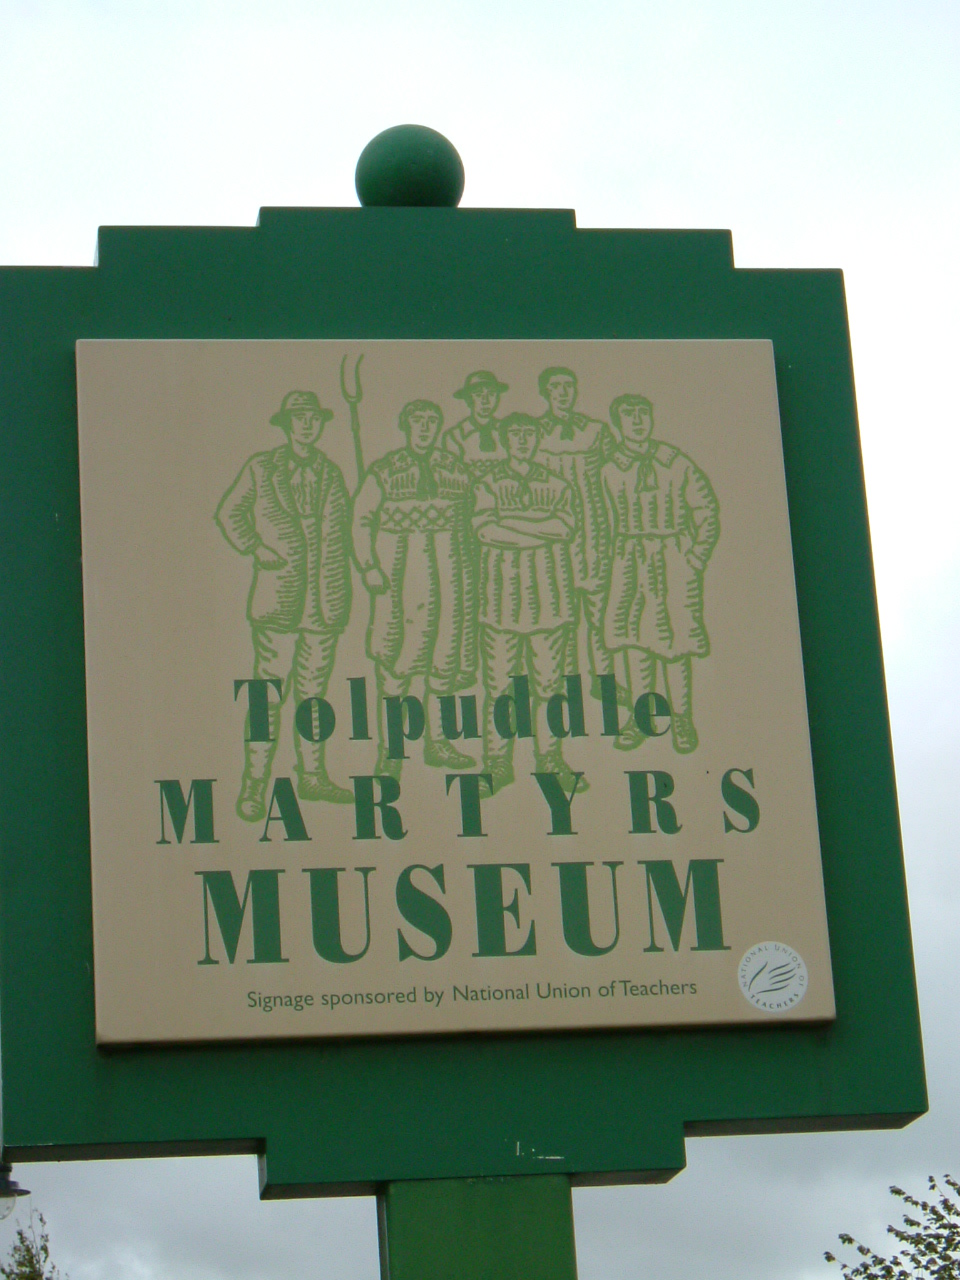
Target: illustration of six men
[{"x": 493, "y": 546}]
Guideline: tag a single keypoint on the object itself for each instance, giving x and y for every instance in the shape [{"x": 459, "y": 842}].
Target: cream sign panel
[{"x": 443, "y": 686}]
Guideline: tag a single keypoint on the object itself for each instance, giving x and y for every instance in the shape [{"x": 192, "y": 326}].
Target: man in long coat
[
  {"x": 664, "y": 522},
  {"x": 288, "y": 511},
  {"x": 410, "y": 537}
]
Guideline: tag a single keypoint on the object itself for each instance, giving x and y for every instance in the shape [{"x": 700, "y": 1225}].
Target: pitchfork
[{"x": 353, "y": 400}]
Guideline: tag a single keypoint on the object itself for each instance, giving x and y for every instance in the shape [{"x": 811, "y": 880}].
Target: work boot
[
  {"x": 630, "y": 737},
  {"x": 441, "y": 754},
  {"x": 251, "y": 806},
  {"x": 319, "y": 786},
  {"x": 684, "y": 734},
  {"x": 386, "y": 766},
  {"x": 552, "y": 761},
  {"x": 500, "y": 769}
]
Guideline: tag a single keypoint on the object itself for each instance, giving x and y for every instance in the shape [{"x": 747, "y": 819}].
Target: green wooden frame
[{"x": 329, "y": 1117}]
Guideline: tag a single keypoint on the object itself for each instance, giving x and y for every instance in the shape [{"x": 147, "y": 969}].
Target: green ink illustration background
[
  {"x": 601, "y": 523},
  {"x": 494, "y": 547}
]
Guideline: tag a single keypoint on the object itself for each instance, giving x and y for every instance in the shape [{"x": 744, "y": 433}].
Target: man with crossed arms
[{"x": 524, "y": 519}]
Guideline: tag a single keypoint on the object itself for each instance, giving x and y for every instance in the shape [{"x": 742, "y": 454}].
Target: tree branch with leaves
[
  {"x": 30, "y": 1253},
  {"x": 929, "y": 1240}
]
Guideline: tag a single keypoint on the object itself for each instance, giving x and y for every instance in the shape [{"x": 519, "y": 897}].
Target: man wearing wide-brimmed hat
[
  {"x": 288, "y": 511},
  {"x": 474, "y": 439}
]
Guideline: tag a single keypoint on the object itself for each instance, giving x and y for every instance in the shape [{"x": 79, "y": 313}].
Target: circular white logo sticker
[{"x": 773, "y": 977}]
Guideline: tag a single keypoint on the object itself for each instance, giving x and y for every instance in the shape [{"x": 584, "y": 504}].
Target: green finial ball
[{"x": 410, "y": 165}]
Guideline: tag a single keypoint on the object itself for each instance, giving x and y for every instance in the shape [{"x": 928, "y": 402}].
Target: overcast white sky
[{"x": 823, "y": 135}]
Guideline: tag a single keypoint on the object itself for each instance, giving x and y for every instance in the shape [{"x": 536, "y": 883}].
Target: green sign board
[{"x": 201, "y": 353}]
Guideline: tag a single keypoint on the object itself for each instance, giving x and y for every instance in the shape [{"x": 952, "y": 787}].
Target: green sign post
[{"x": 471, "y": 1141}]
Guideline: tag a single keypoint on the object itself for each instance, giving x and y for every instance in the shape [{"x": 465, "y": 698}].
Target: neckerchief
[
  {"x": 427, "y": 486},
  {"x": 487, "y": 442},
  {"x": 303, "y": 478},
  {"x": 645, "y": 458},
  {"x": 567, "y": 428}
]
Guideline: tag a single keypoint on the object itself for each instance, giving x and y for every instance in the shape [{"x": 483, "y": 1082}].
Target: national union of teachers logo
[{"x": 772, "y": 977}]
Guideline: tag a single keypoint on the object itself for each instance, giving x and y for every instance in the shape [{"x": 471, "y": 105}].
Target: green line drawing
[
  {"x": 288, "y": 510},
  {"x": 525, "y": 519},
  {"x": 664, "y": 521},
  {"x": 576, "y": 447},
  {"x": 412, "y": 545},
  {"x": 353, "y": 399},
  {"x": 488, "y": 554},
  {"x": 475, "y": 439}
]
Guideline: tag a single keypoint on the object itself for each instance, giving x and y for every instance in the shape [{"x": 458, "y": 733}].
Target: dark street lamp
[{"x": 9, "y": 1191}]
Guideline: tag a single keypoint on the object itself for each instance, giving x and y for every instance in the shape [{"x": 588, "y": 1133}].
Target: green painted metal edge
[{"x": 325, "y": 1115}]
